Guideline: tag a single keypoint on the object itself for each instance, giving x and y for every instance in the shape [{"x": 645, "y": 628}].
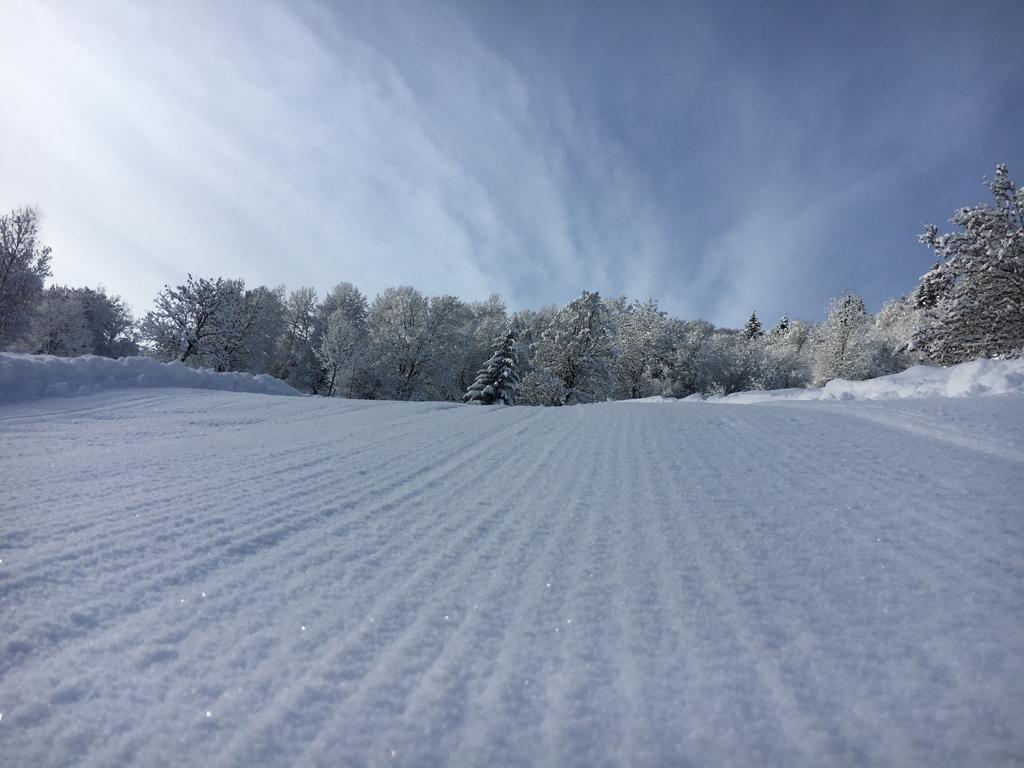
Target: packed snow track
[{"x": 226, "y": 579}]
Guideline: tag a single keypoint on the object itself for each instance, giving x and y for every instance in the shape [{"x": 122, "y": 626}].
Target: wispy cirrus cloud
[
  {"x": 709, "y": 156},
  {"x": 288, "y": 146}
]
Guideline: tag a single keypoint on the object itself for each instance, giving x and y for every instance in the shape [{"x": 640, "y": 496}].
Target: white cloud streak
[
  {"x": 290, "y": 147},
  {"x": 644, "y": 151}
]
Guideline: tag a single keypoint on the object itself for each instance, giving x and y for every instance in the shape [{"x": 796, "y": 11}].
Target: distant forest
[{"x": 403, "y": 345}]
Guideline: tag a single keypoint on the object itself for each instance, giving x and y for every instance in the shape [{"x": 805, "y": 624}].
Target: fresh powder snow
[{"x": 197, "y": 577}]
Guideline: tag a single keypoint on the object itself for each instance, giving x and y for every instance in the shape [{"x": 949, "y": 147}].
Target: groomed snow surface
[{"x": 194, "y": 577}]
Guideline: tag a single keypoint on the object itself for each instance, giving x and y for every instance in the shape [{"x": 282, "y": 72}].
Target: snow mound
[
  {"x": 973, "y": 379},
  {"x": 26, "y": 377}
]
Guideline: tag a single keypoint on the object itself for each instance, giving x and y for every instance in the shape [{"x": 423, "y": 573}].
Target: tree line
[{"x": 404, "y": 345}]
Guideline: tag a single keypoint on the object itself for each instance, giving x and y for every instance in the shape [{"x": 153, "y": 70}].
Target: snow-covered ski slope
[{"x": 208, "y": 578}]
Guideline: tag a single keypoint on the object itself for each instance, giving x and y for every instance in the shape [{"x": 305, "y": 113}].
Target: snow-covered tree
[
  {"x": 537, "y": 386},
  {"x": 690, "y": 368},
  {"x": 186, "y": 323},
  {"x": 973, "y": 299},
  {"x": 643, "y": 349},
  {"x": 416, "y": 342},
  {"x": 541, "y": 387},
  {"x": 264, "y": 315},
  {"x": 786, "y": 358},
  {"x": 736, "y": 360},
  {"x": 531, "y": 325},
  {"x": 752, "y": 330},
  {"x": 486, "y": 321},
  {"x": 296, "y": 360},
  {"x": 344, "y": 340},
  {"x": 249, "y": 323},
  {"x": 891, "y": 336},
  {"x": 59, "y": 325},
  {"x": 498, "y": 380},
  {"x": 80, "y": 321},
  {"x": 398, "y": 325},
  {"x": 711, "y": 360},
  {"x": 578, "y": 349},
  {"x": 222, "y": 348},
  {"x": 24, "y": 265},
  {"x": 216, "y": 324},
  {"x": 842, "y": 350},
  {"x": 111, "y": 326}
]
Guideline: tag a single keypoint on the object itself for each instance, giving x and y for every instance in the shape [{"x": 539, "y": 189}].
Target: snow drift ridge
[
  {"x": 977, "y": 377},
  {"x": 26, "y": 377}
]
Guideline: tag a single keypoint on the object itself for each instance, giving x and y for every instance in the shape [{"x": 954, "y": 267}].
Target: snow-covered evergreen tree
[
  {"x": 933, "y": 285},
  {"x": 782, "y": 326},
  {"x": 486, "y": 321},
  {"x": 752, "y": 330},
  {"x": 498, "y": 380},
  {"x": 973, "y": 299}
]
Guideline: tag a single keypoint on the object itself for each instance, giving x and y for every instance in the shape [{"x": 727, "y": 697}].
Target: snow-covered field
[{"x": 215, "y": 578}]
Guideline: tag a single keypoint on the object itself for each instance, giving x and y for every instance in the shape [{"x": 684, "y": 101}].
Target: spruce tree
[
  {"x": 973, "y": 299},
  {"x": 498, "y": 380},
  {"x": 753, "y": 327}
]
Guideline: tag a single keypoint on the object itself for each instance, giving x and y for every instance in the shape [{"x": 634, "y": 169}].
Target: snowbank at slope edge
[
  {"x": 972, "y": 379},
  {"x": 26, "y": 377}
]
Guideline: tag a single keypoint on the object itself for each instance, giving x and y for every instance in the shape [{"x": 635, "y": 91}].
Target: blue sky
[{"x": 719, "y": 156}]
